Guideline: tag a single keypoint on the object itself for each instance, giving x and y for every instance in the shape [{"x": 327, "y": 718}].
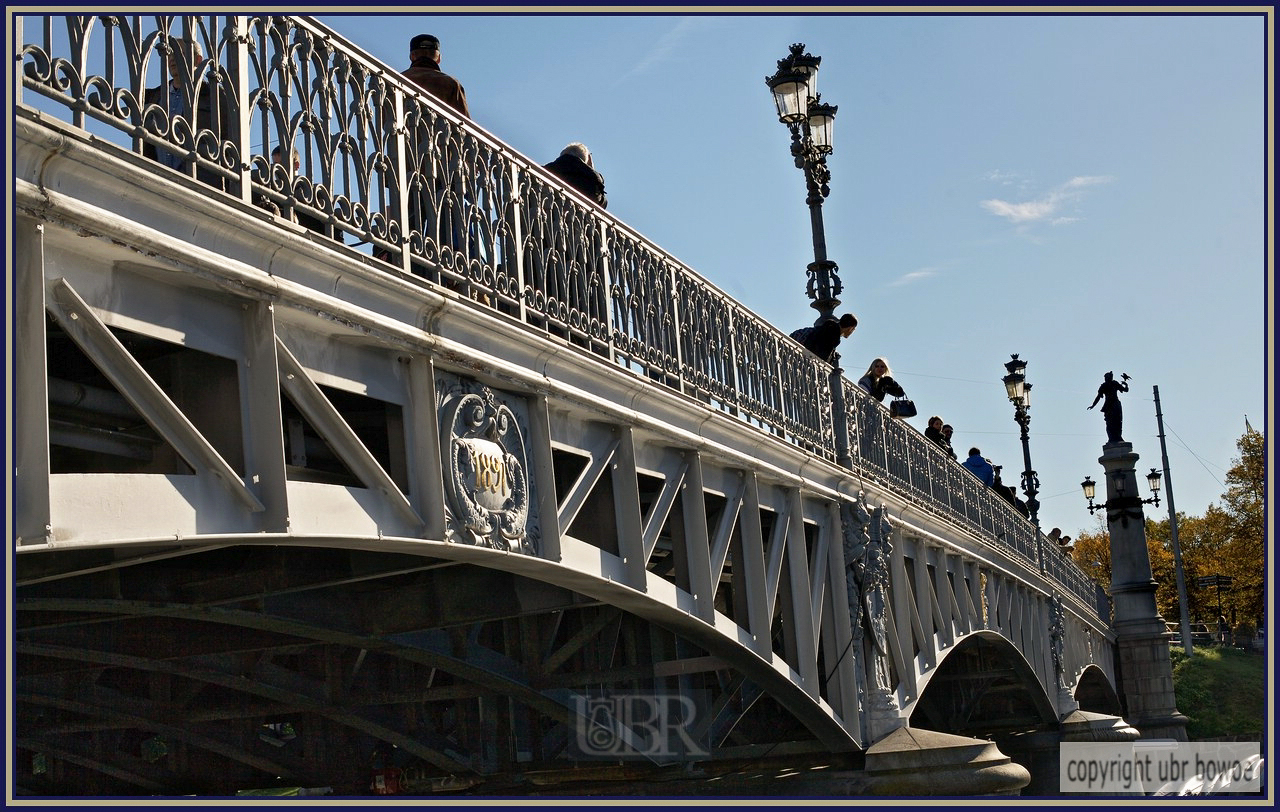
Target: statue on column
[{"x": 1109, "y": 394}]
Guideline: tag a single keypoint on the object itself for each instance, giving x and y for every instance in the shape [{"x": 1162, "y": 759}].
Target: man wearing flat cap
[{"x": 424, "y": 53}]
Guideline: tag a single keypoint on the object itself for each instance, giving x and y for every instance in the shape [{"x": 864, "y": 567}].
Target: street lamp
[
  {"x": 1123, "y": 506},
  {"x": 810, "y": 122},
  {"x": 1019, "y": 391}
]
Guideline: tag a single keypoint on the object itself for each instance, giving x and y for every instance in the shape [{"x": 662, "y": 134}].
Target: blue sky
[{"x": 1088, "y": 191}]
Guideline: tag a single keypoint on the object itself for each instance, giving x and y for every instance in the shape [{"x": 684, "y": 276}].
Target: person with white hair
[{"x": 575, "y": 167}]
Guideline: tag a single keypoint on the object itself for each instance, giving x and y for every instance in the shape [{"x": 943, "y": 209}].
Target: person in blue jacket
[{"x": 980, "y": 467}]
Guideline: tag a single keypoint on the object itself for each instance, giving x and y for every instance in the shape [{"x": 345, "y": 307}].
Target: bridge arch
[
  {"x": 1094, "y": 692},
  {"x": 983, "y": 687},
  {"x": 348, "y": 640}
]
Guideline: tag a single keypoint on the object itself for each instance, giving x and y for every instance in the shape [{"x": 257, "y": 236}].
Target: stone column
[{"x": 1142, "y": 637}]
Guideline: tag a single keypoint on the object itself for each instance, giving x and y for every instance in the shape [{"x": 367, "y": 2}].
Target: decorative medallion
[{"x": 486, "y": 470}]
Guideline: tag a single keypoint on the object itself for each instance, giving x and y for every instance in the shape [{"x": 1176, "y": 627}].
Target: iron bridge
[{"x": 459, "y": 483}]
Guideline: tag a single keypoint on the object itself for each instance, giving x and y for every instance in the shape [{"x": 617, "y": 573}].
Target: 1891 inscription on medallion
[{"x": 486, "y": 469}]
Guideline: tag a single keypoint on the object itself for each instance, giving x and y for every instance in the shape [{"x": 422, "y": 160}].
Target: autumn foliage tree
[{"x": 1093, "y": 555}]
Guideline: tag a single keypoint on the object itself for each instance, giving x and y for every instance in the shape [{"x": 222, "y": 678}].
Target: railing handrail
[{"x": 470, "y": 212}]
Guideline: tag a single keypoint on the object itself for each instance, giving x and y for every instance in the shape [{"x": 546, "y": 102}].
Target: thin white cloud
[
  {"x": 662, "y": 49},
  {"x": 1002, "y": 177},
  {"x": 913, "y": 277},
  {"x": 1020, "y": 212},
  {"x": 1086, "y": 180},
  {"x": 1048, "y": 206}
]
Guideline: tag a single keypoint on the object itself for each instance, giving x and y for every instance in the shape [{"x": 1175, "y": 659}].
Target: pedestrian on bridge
[
  {"x": 879, "y": 383},
  {"x": 424, "y": 71},
  {"x": 823, "y": 339},
  {"x": 947, "y": 431},
  {"x": 207, "y": 97},
  {"x": 575, "y": 167},
  {"x": 934, "y": 432},
  {"x": 980, "y": 467}
]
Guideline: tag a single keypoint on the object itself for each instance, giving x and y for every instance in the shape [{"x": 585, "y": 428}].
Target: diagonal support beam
[
  {"x": 827, "y": 558},
  {"x": 116, "y": 765},
  {"x": 338, "y": 434},
  {"x": 268, "y": 681},
  {"x": 581, "y": 489},
  {"x": 802, "y": 621},
  {"x": 127, "y": 375},
  {"x": 724, "y": 531},
  {"x": 777, "y": 549},
  {"x": 751, "y": 579},
  {"x": 661, "y": 508},
  {"x": 697, "y": 543},
  {"x": 111, "y": 705},
  {"x": 626, "y": 507}
]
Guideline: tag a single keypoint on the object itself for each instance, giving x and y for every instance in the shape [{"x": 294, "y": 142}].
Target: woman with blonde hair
[{"x": 878, "y": 383}]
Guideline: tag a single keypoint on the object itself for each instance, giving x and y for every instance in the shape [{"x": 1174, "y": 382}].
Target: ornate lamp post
[
  {"x": 810, "y": 122},
  {"x": 1019, "y": 391}
]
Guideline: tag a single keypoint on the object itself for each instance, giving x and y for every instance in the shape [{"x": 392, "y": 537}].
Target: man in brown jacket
[{"x": 424, "y": 53}]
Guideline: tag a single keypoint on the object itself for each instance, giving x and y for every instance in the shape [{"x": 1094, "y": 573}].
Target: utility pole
[{"x": 1184, "y": 610}]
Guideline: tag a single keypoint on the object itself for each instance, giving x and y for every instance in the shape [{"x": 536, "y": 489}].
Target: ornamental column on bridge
[{"x": 1142, "y": 637}]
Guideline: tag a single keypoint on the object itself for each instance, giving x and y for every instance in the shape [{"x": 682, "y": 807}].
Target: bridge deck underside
[{"x": 253, "y": 666}]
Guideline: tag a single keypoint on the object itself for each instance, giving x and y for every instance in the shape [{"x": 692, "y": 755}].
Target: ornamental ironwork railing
[{"x": 367, "y": 159}]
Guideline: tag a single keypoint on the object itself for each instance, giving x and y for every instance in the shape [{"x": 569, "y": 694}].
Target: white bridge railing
[{"x": 384, "y": 166}]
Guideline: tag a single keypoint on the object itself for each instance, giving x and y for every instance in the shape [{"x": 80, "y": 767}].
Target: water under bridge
[{"x": 464, "y": 485}]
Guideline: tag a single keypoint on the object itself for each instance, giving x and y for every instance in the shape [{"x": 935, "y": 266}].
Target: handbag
[{"x": 902, "y": 407}]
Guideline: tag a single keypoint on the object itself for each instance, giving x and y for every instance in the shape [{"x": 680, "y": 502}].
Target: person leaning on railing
[
  {"x": 980, "y": 467},
  {"x": 575, "y": 167},
  {"x": 301, "y": 218},
  {"x": 878, "y": 383},
  {"x": 947, "y": 431},
  {"x": 823, "y": 339},
  {"x": 934, "y": 432},
  {"x": 211, "y": 109}
]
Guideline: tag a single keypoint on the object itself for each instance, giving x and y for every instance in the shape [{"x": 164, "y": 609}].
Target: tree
[
  {"x": 1163, "y": 570},
  {"x": 1244, "y": 553},
  {"x": 1229, "y": 540},
  {"x": 1092, "y": 552},
  {"x": 1198, "y": 538},
  {"x": 1093, "y": 555}
]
